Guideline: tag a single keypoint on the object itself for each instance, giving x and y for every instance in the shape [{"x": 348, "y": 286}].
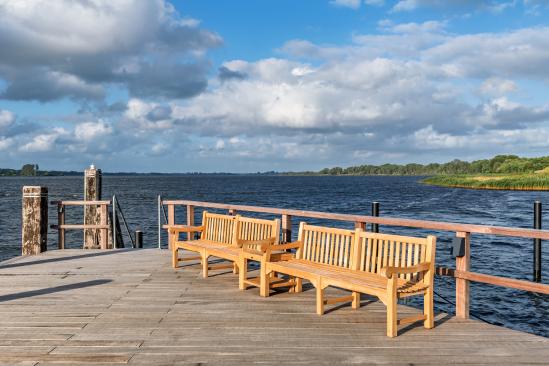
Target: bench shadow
[
  {"x": 60, "y": 259},
  {"x": 51, "y": 290},
  {"x": 419, "y": 324},
  {"x": 363, "y": 302}
]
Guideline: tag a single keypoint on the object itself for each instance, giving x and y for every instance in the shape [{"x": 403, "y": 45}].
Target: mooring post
[
  {"x": 462, "y": 285},
  {"x": 92, "y": 214},
  {"x": 286, "y": 224},
  {"x": 537, "y": 242},
  {"x": 34, "y": 220},
  {"x": 375, "y": 213},
  {"x": 138, "y": 239}
]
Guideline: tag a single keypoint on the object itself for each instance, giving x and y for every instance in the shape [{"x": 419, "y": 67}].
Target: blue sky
[{"x": 244, "y": 86}]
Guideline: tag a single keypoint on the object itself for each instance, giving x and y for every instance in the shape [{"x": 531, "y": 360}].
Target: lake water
[{"x": 398, "y": 197}]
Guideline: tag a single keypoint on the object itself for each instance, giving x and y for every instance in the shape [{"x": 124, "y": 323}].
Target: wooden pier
[{"x": 97, "y": 307}]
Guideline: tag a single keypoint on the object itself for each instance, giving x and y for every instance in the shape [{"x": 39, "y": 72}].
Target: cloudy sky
[{"x": 247, "y": 85}]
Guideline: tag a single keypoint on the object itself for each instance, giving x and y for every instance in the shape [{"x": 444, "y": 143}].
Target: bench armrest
[
  {"x": 389, "y": 271},
  {"x": 254, "y": 244},
  {"x": 292, "y": 245},
  {"x": 184, "y": 229}
]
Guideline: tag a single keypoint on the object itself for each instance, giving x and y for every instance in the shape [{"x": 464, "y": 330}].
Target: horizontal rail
[
  {"x": 78, "y": 226},
  {"x": 495, "y": 280},
  {"x": 80, "y": 203},
  {"x": 391, "y": 221}
]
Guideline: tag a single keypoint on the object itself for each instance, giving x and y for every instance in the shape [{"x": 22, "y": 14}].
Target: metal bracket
[{"x": 458, "y": 247}]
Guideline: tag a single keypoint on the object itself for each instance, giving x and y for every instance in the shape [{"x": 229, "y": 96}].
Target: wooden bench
[
  {"x": 222, "y": 236},
  {"x": 262, "y": 251},
  {"x": 390, "y": 267}
]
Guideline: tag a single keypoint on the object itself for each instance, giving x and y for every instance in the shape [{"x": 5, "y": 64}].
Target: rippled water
[{"x": 398, "y": 197}]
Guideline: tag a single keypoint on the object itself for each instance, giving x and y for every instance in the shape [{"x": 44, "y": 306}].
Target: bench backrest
[
  {"x": 380, "y": 250},
  {"x": 219, "y": 228},
  {"x": 226, "y": 229},
  {"x": 365, "y": 251},
  {"x": 326, "y": 245},
  {"x": 258, "y": 229}
]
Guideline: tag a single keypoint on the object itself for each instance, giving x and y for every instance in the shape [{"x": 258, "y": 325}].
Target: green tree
[{"x": 29, "y": 170}]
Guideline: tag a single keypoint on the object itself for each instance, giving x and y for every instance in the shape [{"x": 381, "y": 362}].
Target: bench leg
[
  {"x": 298, "y": 285},
  {"x": 235, "y": 268},
  {"x": 428, "y": 309},
  {"x": 392, "y": 307},
  {"x": 264, "y": 281},
  {"x": 242, "y": 273},
  {"x": 205, "y": 264},
  {"x": 319, "y": 300},
  {"x": 175, "y": 256},
  {"x": 356, "y": 300}
]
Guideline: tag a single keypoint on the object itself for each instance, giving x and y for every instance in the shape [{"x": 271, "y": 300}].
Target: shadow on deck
[{"x": 130, "y": 307}]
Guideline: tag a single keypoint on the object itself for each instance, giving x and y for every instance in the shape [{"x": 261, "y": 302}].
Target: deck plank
[{"x": 129, "y": 306}]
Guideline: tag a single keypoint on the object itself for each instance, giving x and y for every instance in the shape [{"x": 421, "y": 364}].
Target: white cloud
[
  {"x": 76, "y": 48},
  {"x": 88, "y": 131},
  {"x": 374, "y": 2},
  {"x": 43, "y": 142},
  {"x": 353, "y": 4},
  {"x": 5, "y": 143},
  {"x": 497, "y": 86},
  {"x": 6, "y": 118}
]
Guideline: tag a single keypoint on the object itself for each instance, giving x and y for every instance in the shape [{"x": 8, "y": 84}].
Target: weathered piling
[
  {"x": 35, "y": 220},
  {"x": 92, "y": 214}
]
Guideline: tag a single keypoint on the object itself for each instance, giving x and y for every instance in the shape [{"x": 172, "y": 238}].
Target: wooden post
[
  {"x": 104, "y": 213},
  {"x": 286, "y": 224},
  {"x": 92, "y": 215},
  {"x": 537, "y": 242},
  {"x": 360, "y": 225},
  {"x": 34, "y": 239},
  {"x": 61, "y": 222},
  {"x": 232, "y": 212},
  {"x": 462, "y": 285},
  {"x": 171, "y": 221},
  {"x": 190, "y": 220}
]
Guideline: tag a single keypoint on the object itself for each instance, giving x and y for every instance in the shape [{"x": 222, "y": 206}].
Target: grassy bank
[{"x": 518, "y": 182}]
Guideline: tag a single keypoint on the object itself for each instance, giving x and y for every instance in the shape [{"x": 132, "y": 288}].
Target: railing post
[
  {"x": 286, "y": 223},
  {"x": 104, "y": 213},
  {"x": 190, "y": 220},
  {"x": 375, "y": 213},
  {"x": 462, "y": 285},
  {"x": 171, "y": 221},
  {"x": 114, "y": 222},
  {"x": 159, "y": 223},
  {"x": 60, "y": 223},
  {"x": 232, "y": 212},
  {"x": 360, "y": 225},
  {"x": 537, "y": 242}
]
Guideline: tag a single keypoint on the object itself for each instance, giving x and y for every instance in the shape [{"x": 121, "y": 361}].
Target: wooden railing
[
  {"x": 62, "y": 227},
  {"x": 461, "y": 273}
]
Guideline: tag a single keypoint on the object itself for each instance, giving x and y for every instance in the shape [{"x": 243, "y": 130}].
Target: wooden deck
[{"x": 101, "y": 307}]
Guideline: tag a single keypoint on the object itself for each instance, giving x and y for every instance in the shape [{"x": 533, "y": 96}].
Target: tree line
[{"x": 497, "y": 164}]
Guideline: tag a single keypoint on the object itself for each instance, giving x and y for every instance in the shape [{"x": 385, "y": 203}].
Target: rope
[{"x": 478, "y": 317}]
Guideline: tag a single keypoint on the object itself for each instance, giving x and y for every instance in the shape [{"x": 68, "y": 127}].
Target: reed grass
[{"x": 519, "y": 182}]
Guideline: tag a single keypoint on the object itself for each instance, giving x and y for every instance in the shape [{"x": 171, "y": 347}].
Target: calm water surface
[{"x": 398, "y": 197}]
